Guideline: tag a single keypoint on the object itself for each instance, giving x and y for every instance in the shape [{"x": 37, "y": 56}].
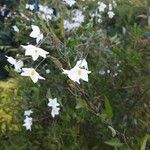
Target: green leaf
[
  {"x": 80, "y": 103},
  {"x": 144, "y": 141},
  {"x": 108, "y": 109},
  {"x": 73, "y": 42},
  {"x": 114, "y": 142}
]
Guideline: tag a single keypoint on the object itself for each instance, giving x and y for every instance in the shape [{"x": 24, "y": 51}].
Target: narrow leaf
[
  {"x": 144, "y": 141},
  {"x": 108, "y": 109},
  {"x": 114, "y": 142}
]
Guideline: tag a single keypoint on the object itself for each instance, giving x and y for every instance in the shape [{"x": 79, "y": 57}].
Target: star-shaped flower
[
  {"x": 32, "y": 74},
  {"x": 55, "y": 111},
  {"x": 36, "y": 33},
  {"x": 28, "y": 112},
  {"x": 77, "y": 73},
  {"x": 53, "y": 103},
  {"x": 111, "y": 14},
  {"x": 55, "y": 106},
  {"x": 34, "y": 51},
  {"x": 28, "y": 123},
  {"x": 17, "y": 64},
  {"x": 101, "y": 6}
]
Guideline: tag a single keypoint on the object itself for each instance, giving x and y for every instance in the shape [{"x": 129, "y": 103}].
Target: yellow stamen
[
  {"x": 79, "y": 72},
  {"x": 36, "y": 50},
  {"x": 32, "y": 72}
]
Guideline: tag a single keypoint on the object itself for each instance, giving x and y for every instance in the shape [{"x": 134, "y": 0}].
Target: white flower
[
  {"x": 100, "y": 20},
  {"x": 101, "y": 72},
  {"x": 76, "y": 21},
  {"x": 47, "y": 71},
  {"x": 70, "y": 2},
  {"x": 118, "y": 65},
  {"x": 16, "y": 29},
  {"x": 115, "y": 74},
  {"x": 53, "y": 103},
  {"x": 28, "y": 112},
  {"x": 2, "y": 10},
  {"x": 77, "y": 73},
  {"x": 35, "y": 52},
  {"x": 36, "y": 33},
  {"x": 17, "y": 64},
  {"x": 78, "y": 16},
  {"x": 30, "y": 6},
  {"x": 111, "y": 14},
  {"x": 55, "y": 111},
  {"x": 11, "y": 60},
  {"x": 108, "y": 71},
  {"x": 101, "y": 6},
  {"x": 93, "y": 15},
  {"x": 69, "y": 25},
  {"x": 28, "y": 123},
  {"x": 32, "y": 74},
  {"x": 45, "y": 12},
  {"x": 82, "y": 64}
]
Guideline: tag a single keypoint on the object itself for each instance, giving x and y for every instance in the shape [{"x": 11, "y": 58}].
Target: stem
[{"x": 39, "y": 64}]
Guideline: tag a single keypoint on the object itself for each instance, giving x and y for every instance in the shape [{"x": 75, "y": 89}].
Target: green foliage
[
  {"x": 108, "y": 109},
  {"x": 10, "y": 99},
  {"x": 114, "y": 142},
  {"x": 143, "y": 144}
]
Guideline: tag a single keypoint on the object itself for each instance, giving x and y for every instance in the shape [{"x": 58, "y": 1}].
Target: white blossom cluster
[
  {"x": 54, "y": 111},
  {"x": 2, "y": 10},
  {"x": 28, "y": 120},
  {"x": 34, "y": 52},
  {"x": 44, "y": 11},
  {"x": 114, "y": 73},
  {"x": 78, "y": 72},
  {"x": 102, "y": 7},
  {"x": 75, "y": 21},
  {"x": 30, "y": 6},
  {"x": 70, "y": 2},
  {"x": 5, "y": 12},
  {"x": 55, "y": 106}
]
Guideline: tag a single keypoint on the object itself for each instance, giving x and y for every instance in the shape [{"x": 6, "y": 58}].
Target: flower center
[
  {"x": 32, "y": 73},
  {"x": 36, "y": 50},
  {"x": 79, "y": 72}
]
